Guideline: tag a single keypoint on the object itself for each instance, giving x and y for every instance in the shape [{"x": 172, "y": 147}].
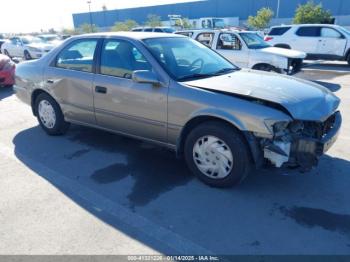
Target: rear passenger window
[
  {"x": 205, "y": 38},
  {"x": 120, "y": 58},
  {"x": 158, "y": 30},
  {"x": 78, "y": 56},
  {"x": 310, "y": 31},
  {"x": 279, "y": 30},
  {"x": 189, "y": 34},
  {"x": 229, "y": 42}
]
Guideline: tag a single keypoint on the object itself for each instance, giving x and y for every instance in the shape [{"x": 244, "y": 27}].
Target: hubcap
[
  {"x": 47, "y": 114},
  {"x": 213, "y": 157}
]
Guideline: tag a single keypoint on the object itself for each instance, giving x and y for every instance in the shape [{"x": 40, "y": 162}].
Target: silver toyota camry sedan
[{"x": 176, "y": 92}]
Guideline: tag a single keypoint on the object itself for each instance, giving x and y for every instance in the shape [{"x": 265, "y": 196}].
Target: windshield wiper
[
  {"x": 217, "y": 73},
  {"x": 225, "y": 70},
  {"x": 194, "y": 76}
]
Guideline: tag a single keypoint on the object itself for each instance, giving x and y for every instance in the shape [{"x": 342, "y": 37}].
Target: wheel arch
[
  {"x": 248, "y": 137},
  {"x": 35, "y": 95},
  {"x": 286, "y": 46},
  {"x": 347, "y": 55}
]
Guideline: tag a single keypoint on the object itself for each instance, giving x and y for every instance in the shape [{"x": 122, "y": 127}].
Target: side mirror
[{"x": 145, "y": 77}]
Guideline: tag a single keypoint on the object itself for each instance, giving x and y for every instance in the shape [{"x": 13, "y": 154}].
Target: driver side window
[{"x": 229, "y": 42}]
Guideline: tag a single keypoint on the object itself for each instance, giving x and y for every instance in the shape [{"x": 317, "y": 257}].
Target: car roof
[
  {"x": 300, "y": 25},
  {"x": 215, "y": 31},
  {"x": 132, "y": 35}
]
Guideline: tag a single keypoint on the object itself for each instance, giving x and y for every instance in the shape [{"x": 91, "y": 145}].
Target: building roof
[{"x": 133, "y": 35}]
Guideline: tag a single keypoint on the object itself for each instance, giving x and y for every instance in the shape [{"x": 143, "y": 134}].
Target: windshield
[
  {"x": 344, "y": 30},
  {"x": 186, "y": 59},
  {"x": 168, "y": 30},
  {"x": 254, "y": 41},
  {"x": 219, "y": 23},
  {"x": 30, "y": 40},
  {"x": 49, "y": 38}
]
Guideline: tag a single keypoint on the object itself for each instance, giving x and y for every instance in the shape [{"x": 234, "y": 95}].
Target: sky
[{"x": 23, "y": 16}]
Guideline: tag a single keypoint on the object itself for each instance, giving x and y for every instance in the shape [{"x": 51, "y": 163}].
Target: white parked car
[
  {"x": 53, "y": 39},
  {"x": 319, "y": 41},
  {"x": 27, "y": 47},
  {"x": 248, "y": 49}
]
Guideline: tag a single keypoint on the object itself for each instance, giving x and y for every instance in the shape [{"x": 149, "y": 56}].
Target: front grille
[
  {"x": 296, "y": 64},
  {"x": 319, "y": 130},
  {"x": 328, "y": 124}
]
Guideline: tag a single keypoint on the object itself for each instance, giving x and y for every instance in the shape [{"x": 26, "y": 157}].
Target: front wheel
[
  {"x": 217, "y": 154},
  {"x": 7, "y": 53},
  {"x": 50, "y": 116}
]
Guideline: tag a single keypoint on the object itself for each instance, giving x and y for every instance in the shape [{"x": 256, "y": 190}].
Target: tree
[
  {"x": 69, "y": 31},
  {"x": 310, "y": 13},
  {"x": 52, "y": 31},
  {"x": 153, "y": 21},
  {"x": 87, "y": 28},
  {"x": 262, "y": 19},
  {"x": 127, "y": 25}
]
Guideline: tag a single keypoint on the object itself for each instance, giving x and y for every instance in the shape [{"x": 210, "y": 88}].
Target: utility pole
[
  {"x": 89, "y": 3},
  {"x": 278, "y": 9}
]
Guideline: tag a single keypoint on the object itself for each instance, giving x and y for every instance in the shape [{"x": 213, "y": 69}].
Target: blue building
[{"x": 211, "y": 8}]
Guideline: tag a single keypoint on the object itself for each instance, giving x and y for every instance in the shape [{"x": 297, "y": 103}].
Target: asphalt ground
[{"x": 92, "y": 192}]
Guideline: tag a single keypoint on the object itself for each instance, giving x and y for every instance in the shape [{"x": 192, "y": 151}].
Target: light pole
[
  {"x": 278, "y": 9},
  {"x": 89, "y": 3}
]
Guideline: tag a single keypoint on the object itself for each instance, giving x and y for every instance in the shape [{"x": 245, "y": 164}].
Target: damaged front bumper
[{"x": 302, "y": 150}]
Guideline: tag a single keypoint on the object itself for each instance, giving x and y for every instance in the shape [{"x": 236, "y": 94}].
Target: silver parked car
[{"x": 176, "y": 92}]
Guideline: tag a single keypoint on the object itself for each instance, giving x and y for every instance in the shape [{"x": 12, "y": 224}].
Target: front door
[
  {"x": 123, "y": 105},
  {"x": 332, "y": 42},
  {"x": 70, "y": 80},
  {"x": 231, "y": 47}
]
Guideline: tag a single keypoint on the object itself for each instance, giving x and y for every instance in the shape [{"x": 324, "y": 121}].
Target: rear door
[
  {"x": 123, "y": 105},
  {"x": 307, "y": 39},
  {"x": 332, "y": 42},
  {"x": 70, "y": 78}
]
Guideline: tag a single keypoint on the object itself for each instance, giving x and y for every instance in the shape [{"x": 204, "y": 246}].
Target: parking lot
[{"x": 91, "y": 192}]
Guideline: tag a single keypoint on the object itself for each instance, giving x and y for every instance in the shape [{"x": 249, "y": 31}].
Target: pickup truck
[{"x": 248, "y": 49}]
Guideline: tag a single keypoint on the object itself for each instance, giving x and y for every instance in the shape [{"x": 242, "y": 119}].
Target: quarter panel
[{"x": 73, "y": 91}]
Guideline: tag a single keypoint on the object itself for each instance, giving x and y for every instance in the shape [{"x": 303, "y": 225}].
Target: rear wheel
[
  {"x": 27, "y": 56},
  {"x": 50, "y": 116},
  {"x": 264, "y": 67},
  {"x": 217, "y": 154}
]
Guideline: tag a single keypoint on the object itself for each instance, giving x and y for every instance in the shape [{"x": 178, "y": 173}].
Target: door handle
[
  {"x": 101, "y": 89},
  {"x": 49, "y": 81}
]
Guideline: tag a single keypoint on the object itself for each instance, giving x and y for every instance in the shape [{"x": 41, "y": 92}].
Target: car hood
[
  {"x": 41, "y": 46},
  {"x": 304, "y": 100},
  {"x": 283, "y": 52}
]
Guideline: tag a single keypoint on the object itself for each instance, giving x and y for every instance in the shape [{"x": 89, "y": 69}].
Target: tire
[
  {"x": 283, "y": 46},
  {"x": 348, "y": 60},
  {"x": 264, "y": 67},
  {"x": 27, "y": 56},
  {"x": 55, "y": 127},
  {"x": 7, "y": 53},
  {"x": 228, "y": 137}
]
